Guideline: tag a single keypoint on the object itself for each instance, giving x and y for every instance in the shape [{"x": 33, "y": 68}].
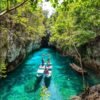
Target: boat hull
[{"x": 47, "y": 81}]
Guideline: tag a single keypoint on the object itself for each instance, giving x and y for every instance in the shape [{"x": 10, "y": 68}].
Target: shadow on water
[
  {"x": 47, "y": 81},
  {"x": 37, "y": 83},
  {"x": 41, "y": 81}
]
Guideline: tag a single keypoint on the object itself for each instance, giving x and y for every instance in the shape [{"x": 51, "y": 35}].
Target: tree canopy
[{"x": 75, "y": 21}]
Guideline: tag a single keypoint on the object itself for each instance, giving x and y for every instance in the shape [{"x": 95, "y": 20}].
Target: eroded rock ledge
[
  {"x": 15, "y": 43},
  {"x": 92, "y": 93}
]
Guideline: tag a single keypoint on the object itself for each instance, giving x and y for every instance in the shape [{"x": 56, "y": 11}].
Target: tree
[
  {"x": 75, "y": 23},
  {"x": 13, "y": 8}
]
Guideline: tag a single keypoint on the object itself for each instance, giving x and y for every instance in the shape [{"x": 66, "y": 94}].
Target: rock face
[
  {"x": 16, "y": 54},
  {"x": 15, "y": 51},
  {"x": 91, "y": 59},
  {"x": 15, "y": 43},
  {"x": 45, "y": 39},
  {"x": 92, "y": 93}
]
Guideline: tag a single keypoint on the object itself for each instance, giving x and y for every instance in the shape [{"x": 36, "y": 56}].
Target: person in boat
[
  {"x": 48, "y": 63},
  {"x": 46, "y": 71},
  {"x": 42, "y": 62}
]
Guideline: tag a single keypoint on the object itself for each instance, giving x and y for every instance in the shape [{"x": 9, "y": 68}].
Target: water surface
[{"x": 65, "y": 82}]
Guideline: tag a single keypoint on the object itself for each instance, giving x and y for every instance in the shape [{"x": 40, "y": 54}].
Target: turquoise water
[{"x": 20, "y": 84}]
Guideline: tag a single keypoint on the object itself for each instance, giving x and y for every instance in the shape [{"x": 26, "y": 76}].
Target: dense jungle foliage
[{"x": 75, "y": 22}]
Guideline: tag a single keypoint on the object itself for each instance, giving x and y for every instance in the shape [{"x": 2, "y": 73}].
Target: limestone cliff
[
  {"x": 93, "y": 93},
  {"x": 16, "y": 41},
  {"x": 91, "y": 58}
]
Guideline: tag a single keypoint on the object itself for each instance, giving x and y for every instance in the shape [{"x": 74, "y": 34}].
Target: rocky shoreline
[
  {"x": 92, "y": 93},
  {"x": 15, "y": 44},
  {"x": 90, "y": 55}
]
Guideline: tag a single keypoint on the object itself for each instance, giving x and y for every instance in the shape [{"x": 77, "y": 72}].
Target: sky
[{"x": 46, "y": 6}]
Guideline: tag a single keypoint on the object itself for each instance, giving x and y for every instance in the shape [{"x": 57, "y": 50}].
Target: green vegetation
[
  {"x": 75, "y": 22},
  {"x": 73, "y": 26},
  {"x": 2, "y": 69},
  {"x": 22, "y": 25}
]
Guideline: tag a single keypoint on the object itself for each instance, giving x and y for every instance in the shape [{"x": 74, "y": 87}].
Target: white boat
[{"x": 40, "y": 71}]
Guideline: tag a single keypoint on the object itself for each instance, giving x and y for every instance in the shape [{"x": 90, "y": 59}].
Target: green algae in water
[{"x": 19, "y": 85}]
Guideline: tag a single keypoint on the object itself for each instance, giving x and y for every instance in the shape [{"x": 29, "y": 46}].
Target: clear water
[{"x": 20, "y": 84}]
